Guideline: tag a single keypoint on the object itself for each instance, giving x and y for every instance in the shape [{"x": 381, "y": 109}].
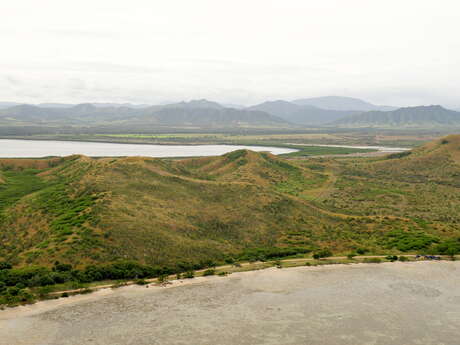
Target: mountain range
[
  {"x": 331, "y": 111},
  {"x": 302, "y": 114},
  {"x": 200, "y": 113},
  {"x": 422, "y": 116},
  {"x": 341, "y": 104}
]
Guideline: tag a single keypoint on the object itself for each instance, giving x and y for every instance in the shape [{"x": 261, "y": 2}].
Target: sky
[{"x": 392, "y": 52}]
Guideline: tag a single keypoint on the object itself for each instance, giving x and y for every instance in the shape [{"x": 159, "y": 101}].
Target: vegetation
[
  {"x": 73, "y": 221},
  {"x": 209, "y": 272}
]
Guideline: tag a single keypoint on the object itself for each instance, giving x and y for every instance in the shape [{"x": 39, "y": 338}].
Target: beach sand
[{"x": 389, "y": 303}]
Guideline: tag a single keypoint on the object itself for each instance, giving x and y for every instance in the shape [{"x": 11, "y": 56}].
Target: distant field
[{"x": 247, "y": 136}]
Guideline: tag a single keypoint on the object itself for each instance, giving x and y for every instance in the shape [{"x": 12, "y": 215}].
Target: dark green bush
[
  {"x": 209, "y": 272},
  {"x": 323, "y": 253},
  {"x": 189, "y": 275},
  {"x": 362, "y": 251},
  {"x": 141, "y": 282}
]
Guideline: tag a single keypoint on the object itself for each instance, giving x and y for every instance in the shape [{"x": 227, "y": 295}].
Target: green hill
[
  {"x": 81, "y": 210},
  {"x": 85, "y": 210},
  {"x": 422, "y": 185},
  {"x": 70, "y": 221}
]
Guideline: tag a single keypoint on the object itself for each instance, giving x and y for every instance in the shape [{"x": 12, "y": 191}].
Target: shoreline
[{"x": 106, "y": 291}]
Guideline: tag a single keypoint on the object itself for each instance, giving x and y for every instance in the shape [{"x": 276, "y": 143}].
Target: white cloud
[{"x": 394, "y": 52}]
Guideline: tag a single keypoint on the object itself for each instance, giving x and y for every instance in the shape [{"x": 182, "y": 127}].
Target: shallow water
[
  {"x": 42, "y": 148},
  {"x": 378, "y": 304},
  {"x": 378, "y": 148}
]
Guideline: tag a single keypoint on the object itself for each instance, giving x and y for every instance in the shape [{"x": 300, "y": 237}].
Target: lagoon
[{"x": 12, "y": 148}]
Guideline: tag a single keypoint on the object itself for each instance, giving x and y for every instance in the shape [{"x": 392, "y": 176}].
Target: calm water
[
  {"x": 42, "y": 148},
  {"x": 378, "y": 148}
]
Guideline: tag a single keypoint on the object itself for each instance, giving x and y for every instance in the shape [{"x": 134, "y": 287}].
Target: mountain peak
[
  {"x": 202, "y": 103},
  {"x": 341, "y": 103}
]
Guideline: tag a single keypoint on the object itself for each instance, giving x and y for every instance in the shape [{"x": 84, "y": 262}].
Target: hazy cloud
[{"x": 389, "y": 52}]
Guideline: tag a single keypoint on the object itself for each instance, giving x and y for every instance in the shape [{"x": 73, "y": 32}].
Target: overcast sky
[{"x": 395, "y": 52}]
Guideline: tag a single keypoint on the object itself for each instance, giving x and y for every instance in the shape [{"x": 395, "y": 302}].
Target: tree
[
  {"x": 323, "y": 253},
  {"x": 5, "y": 266}
]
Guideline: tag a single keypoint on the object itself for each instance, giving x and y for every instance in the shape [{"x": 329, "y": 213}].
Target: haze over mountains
[
  {"x": 341, "y": 104},
  {"x": 428, "y": 116},
  {"x": 194, "y": 113},
  {"x": 330, "y": 111}
]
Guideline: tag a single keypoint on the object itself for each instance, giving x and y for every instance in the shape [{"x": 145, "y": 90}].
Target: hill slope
[
  {"x": 81, "y": 210},
  {"x": 422, "y": 184},
  {"x": 423, "y": 116}
]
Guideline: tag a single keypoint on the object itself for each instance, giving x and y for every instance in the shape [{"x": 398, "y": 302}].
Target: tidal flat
[{"x": 389, "y": 303}]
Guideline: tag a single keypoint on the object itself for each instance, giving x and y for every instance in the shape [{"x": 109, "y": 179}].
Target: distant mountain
[
  {"x": 99, "y": 105},
  {"x": 4, "y": 105},
  {"x": 422, "y": 116},
  {"x": 232, "y": 105},
  {"x": 301, "y": 114},
  {"x": 195, "y": 104},
  {"x": 199, "y": 113},
  {"x": 341, "y": 104},
  {"x": 55, "y": 105}
]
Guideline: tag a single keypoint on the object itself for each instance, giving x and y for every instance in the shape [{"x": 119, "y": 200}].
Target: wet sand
[{"x": 390, "y": 303}]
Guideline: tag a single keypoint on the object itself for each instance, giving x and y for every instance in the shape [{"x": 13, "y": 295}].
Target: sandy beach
[{"x": 389, "y": 303}]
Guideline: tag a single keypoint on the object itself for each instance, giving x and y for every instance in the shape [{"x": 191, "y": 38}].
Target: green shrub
[
  {"x": 409, "y": 240},
  {"x": 189, "y": 275},
  {"x": 372, "y": 260},
  {"x": 209, "y": 272},
  {"x": 141, "y": 282},
  {"x": 323, "y": 253},
  {"x": 362, "y": 251}
]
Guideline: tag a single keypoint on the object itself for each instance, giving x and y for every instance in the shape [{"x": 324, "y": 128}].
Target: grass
[
  {"x": 18, "y": 184},
  {"x": 163, "y": 212},
  {"x": 306, "y": 151}
]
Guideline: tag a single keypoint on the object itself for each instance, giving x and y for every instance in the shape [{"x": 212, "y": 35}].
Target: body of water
[
  {"x": 42, "y": 148},
  {"x": 378, "y": 148}
]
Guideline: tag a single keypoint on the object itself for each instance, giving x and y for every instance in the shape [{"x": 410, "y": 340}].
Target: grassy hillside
[
  {"x": 81, "y": 211},
  {"x": 422, "y": 186}
]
